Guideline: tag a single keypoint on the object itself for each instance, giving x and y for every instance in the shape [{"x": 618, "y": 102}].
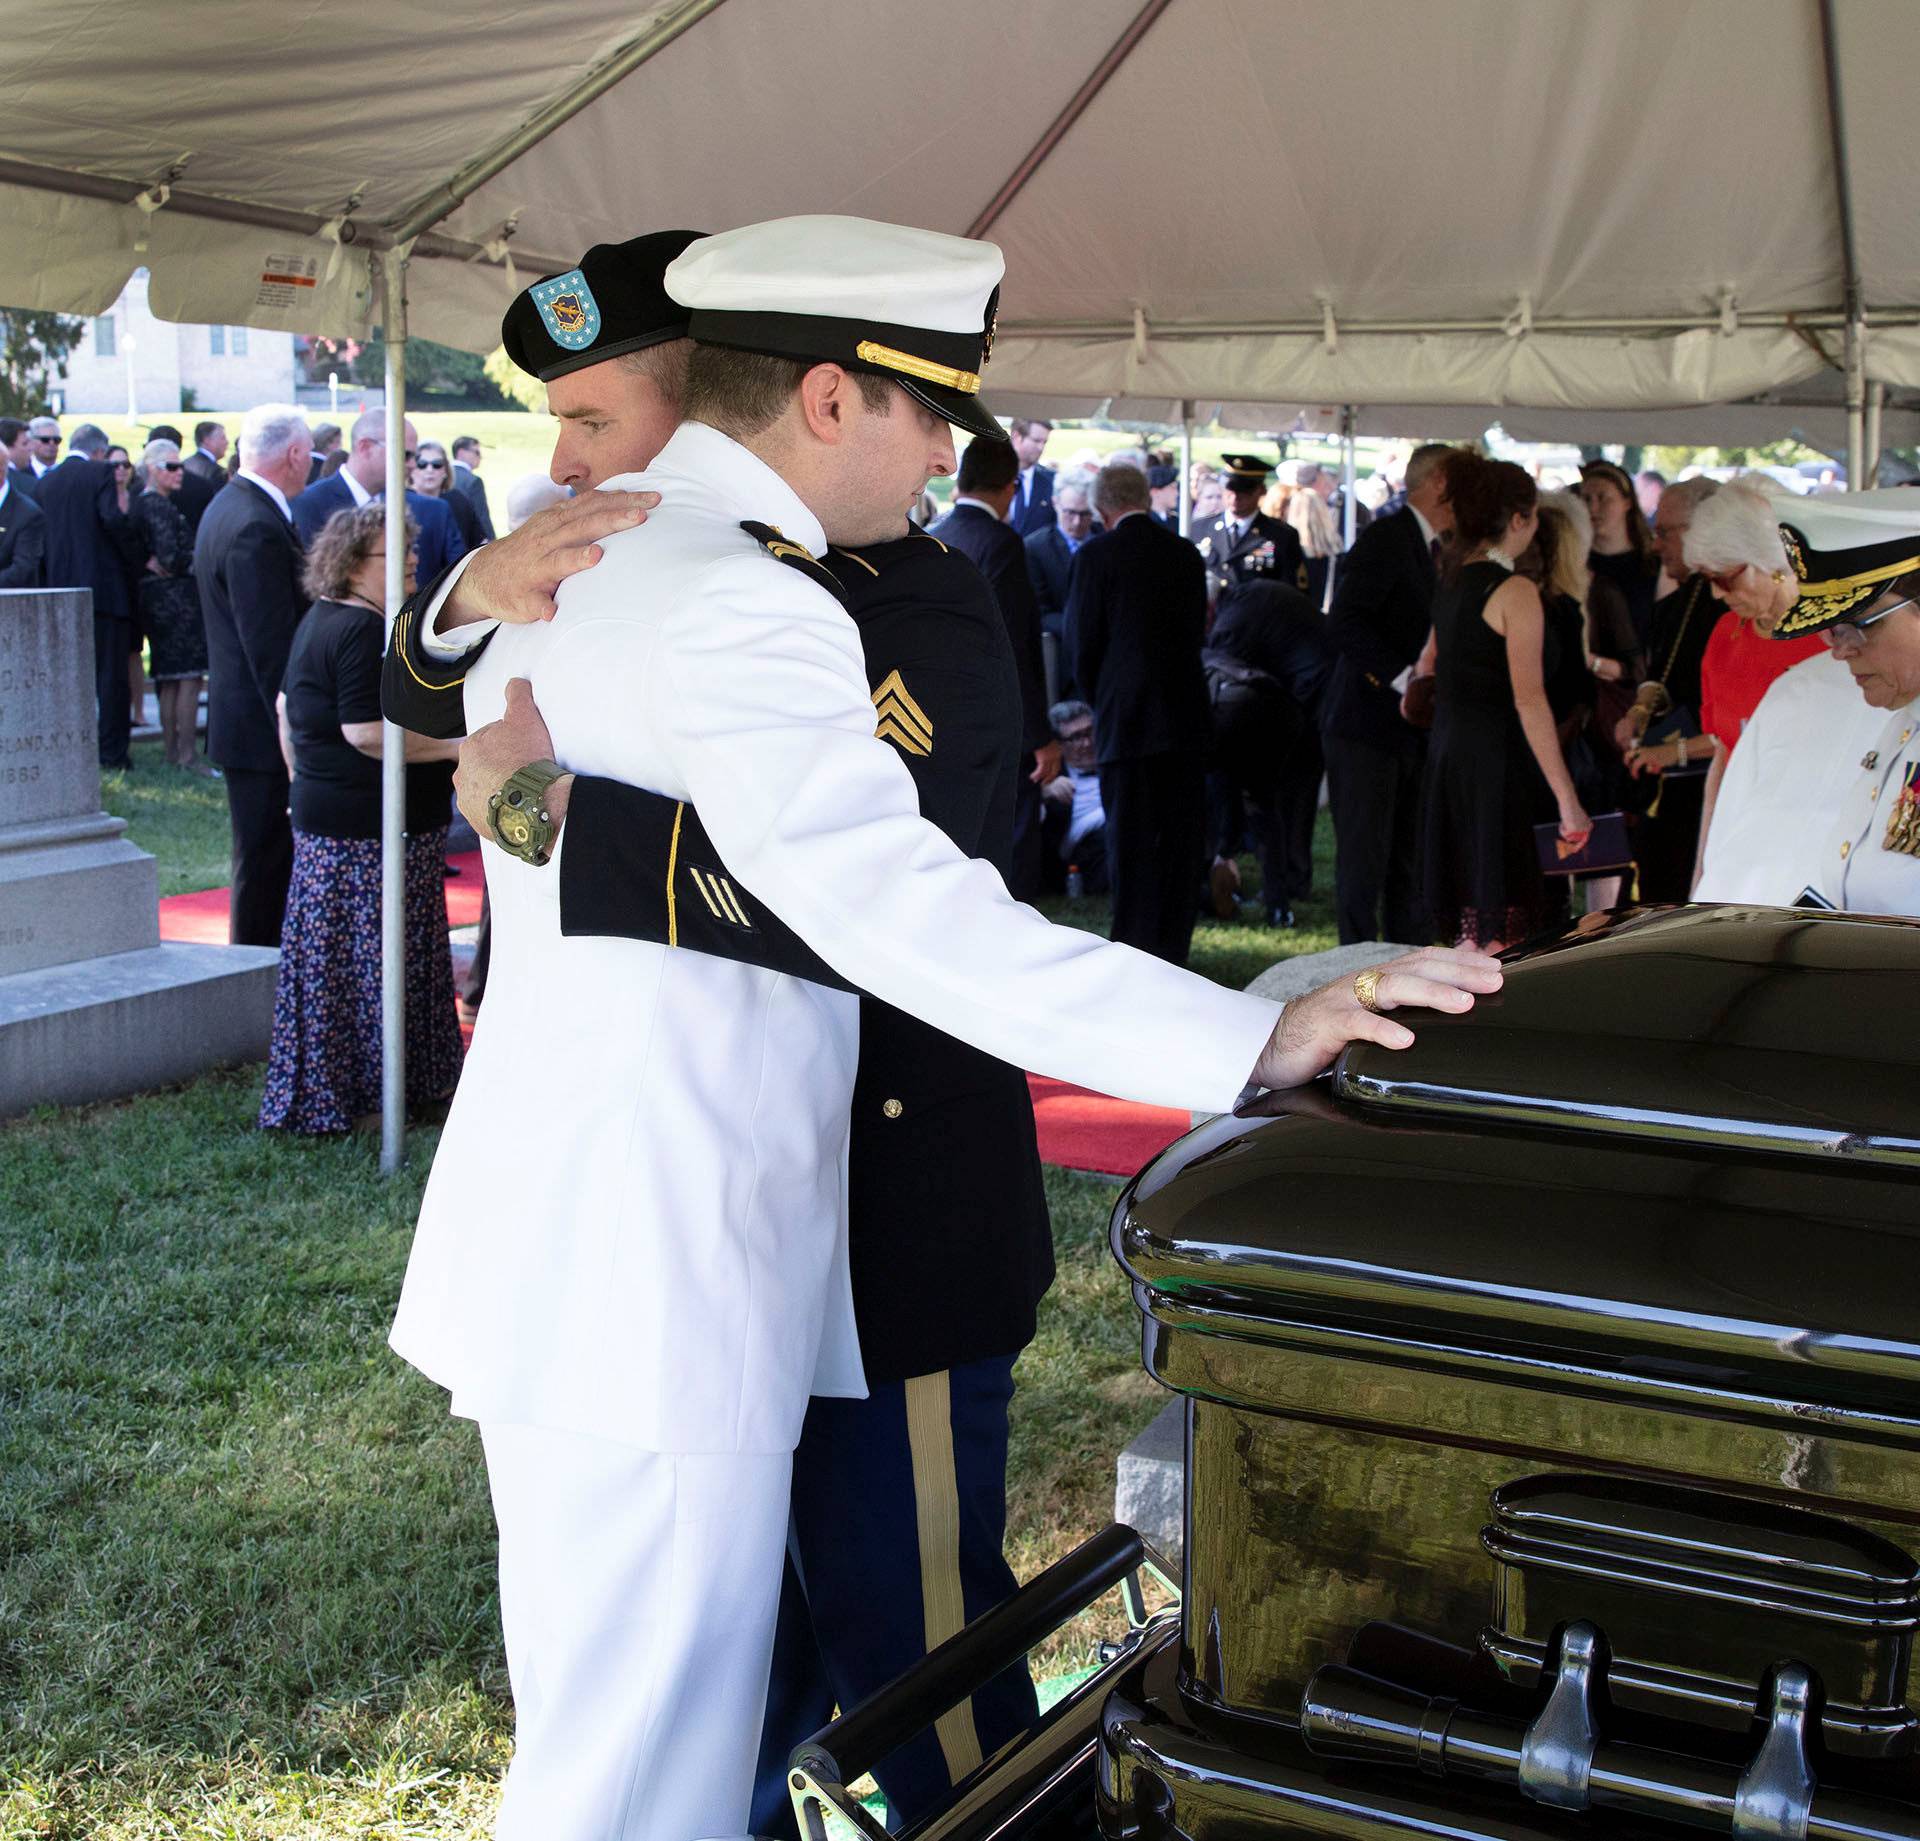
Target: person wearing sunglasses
[
  {"x": 431, "y": 475},
  {"x": 170, "y": 606},
  {"x": 1820, "y": 804}
]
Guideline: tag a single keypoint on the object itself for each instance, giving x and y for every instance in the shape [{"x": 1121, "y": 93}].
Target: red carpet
[{"x": 1077, "y": 1129}]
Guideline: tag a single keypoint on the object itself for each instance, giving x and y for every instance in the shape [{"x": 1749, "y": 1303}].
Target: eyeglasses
[
  {"x": 431, "y": 466},
  {"x": 1065, "y": 514},
  {"x": 1859, "y": 626},
  {"x": 122, "y": 466},
  {"x": 167, "y": 466}
]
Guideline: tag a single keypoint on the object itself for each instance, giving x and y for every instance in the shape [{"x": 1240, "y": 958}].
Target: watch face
[{"x": 513, "y": 828}]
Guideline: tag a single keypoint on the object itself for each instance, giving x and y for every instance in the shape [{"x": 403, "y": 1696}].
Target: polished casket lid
[{"x": 1678, "y": 1151}]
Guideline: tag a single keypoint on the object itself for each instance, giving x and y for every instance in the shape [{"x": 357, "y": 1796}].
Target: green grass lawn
[{"x": 178, "y": 816}]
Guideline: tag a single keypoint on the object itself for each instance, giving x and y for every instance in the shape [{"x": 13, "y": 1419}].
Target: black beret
[
  {"x": 1161, "y": 476},
  {"x": 615, "y": 301}
]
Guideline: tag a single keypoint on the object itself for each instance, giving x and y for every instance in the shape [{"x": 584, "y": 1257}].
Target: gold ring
[{"x": 1366, "y": 987}]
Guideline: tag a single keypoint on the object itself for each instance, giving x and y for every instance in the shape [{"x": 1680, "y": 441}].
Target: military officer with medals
[
  {"x": 1821, "y": 799},
  {"x": 1243, "y": 544},
  {"x": 636, "y": 1321}
]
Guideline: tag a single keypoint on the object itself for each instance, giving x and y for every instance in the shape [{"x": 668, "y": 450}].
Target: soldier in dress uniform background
[{"x": 1243, "y": 544}]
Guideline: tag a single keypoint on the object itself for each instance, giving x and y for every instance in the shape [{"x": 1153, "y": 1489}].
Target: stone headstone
[
  {"x": 71, "y": 886},
  {"x": 92, "y": 1004}
]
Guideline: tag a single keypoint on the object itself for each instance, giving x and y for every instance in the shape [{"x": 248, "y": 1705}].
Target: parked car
[{"x": 1553, "y": 1428}]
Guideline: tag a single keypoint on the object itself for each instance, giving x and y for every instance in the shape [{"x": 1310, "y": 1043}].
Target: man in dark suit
[
  {"x": 1136, "y": 618},
  {"x": 85, "y": 530},
  {"x": 467, "y": 480},
  {"x": 208, "y": 461},
  {"x": 23, "y": 537},
  {"x": 326, "y": 437},
  {"x": 1050, "y": 554},
  {"x": 438, "y": 545},
  {"x": 247, "y": 563},
  {"x": 43, "y": 445},
  {"x": 16, "y": 457},
  {"x": 1382, "y": 612},
  {"x": 1243, "y": 544},
  {"x": 1033, "y": 492},
  {"x": 977, "y": 528},
  {"x": 1267, "y": 663}
]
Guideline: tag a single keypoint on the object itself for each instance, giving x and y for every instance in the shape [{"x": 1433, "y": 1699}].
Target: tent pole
[
  {"x": 1186, "y": 466},
  {"x": 1876, "y": 401},
  {"x": 393, "y": 763},
  {"x": 1856, "y": 359},
  {"x": 1349, "y": 506}
]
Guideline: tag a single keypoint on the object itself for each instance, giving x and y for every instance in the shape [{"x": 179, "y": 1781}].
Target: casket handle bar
[
  {"x": 845, "y": 1751},
  {"x": 1562, "y": 1760}
]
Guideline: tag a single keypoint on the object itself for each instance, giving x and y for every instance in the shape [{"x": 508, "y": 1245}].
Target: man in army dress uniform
[
  {"x": 635, "y": 1314},
  {"x": 1243, "y": 544}
]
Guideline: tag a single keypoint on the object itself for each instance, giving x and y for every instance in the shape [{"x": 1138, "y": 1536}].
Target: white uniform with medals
[
  {"x": 630, "y": 1265},
  {"x": 1822, "y": 793}
]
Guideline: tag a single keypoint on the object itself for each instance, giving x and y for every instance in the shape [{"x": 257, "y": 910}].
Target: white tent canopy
[
  {"x": 1487, "y": 206},
  {"x": 1271, "y": 202}
]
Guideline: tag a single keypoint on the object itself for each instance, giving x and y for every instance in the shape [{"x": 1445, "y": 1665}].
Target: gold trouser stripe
[
  {"x": 936, "y": 1502},
  {"x": 893, "y": 359},
  {"x": 400, "y": 640},
  {"x": 673, "y": 867}
]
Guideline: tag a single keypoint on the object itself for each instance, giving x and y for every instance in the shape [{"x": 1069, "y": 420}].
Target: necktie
[{"x": 1433, "y": 550}]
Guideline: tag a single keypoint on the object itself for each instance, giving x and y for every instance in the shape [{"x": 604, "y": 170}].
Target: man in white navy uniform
[
  {"x": 1821, "y": 798},
  {"x": 637, "y": 1313}
]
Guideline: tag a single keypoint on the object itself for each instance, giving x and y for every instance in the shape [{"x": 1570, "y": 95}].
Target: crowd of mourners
[{"x": 1519, "y": 704}]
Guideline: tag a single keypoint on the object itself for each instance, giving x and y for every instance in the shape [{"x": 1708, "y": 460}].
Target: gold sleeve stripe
[
  {"x": 732, "y": 900},
  {"x": 673, "y": 861},
  {"x": 400, "y": 641},
  {"x": 706, "y": 894},
  {"x": 892, "y": 359}
]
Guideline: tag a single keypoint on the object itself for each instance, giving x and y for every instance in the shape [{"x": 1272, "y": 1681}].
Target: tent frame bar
[
  {"x": 447, "y": 198},
  {"x": 1077, "y": 105},
  {"x": 1275, "y": 329},
  {"x": 393, "y": 739},
  {"x": 241, "y": 211}
]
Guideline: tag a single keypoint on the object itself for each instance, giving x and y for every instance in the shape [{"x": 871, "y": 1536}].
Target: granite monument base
[{"x": 103, "y": 1028}]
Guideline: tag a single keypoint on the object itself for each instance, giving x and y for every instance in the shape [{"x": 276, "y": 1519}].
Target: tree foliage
[
  {"x": 512, "y": 382},
  {"x": 32, "y": 348},
  {"x": 433, "y": 370}
]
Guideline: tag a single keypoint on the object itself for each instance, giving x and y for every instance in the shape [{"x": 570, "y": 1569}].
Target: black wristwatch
[{"x": 522, "y": 826}]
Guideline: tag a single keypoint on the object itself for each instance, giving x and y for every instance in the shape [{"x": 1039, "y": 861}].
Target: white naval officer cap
[{"x": 917, "y": 306}]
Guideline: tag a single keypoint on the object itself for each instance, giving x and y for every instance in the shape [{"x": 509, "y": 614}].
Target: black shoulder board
[{"x": 795, "y": 556}]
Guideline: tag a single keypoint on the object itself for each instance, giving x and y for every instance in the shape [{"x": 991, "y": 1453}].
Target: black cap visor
[{"x": 955, "y": 406}]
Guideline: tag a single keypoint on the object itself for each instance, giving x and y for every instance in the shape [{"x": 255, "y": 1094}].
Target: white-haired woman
[
  {"x": 170, "y": 606},
  {"x": 1735, "y": 543}
]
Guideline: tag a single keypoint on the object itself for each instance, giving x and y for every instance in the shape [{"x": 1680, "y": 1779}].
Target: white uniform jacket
[
  {"x": 1785, "y": 784},
  {"x": 636, "y": 1222}
]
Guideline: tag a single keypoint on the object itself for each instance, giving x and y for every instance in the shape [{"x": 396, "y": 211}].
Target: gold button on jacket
[{"x": 893, "y": 1109}]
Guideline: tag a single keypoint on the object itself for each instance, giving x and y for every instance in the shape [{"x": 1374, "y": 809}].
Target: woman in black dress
[
  {"x": 1623, "y": 555},
  {"x": 1494, "y": 738},
  {"x": 323, "y": 1071},
  {"x": 170, "y": 607}
]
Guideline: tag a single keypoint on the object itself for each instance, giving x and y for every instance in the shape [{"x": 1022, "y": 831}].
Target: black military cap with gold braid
[
  {"x": 1846, "y": 550},
  {"x": 1246, "y": 472},
  {"x": 913, "y": 305}
]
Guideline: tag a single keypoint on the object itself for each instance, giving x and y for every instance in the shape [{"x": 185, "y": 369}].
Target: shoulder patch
[{"x": 795, "y": 556}]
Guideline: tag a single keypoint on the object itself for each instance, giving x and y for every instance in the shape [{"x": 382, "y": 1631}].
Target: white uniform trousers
[{"x": 638, "y": 1590}]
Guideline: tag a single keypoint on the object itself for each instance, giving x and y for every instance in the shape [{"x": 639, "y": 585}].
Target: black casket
[{"x": 1553, "y": 1421}]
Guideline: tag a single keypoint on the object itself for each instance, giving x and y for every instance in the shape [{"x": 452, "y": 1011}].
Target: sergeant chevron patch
[
  {"x": 901, "y": 720},
  {"x": 718, "y": 893}
]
